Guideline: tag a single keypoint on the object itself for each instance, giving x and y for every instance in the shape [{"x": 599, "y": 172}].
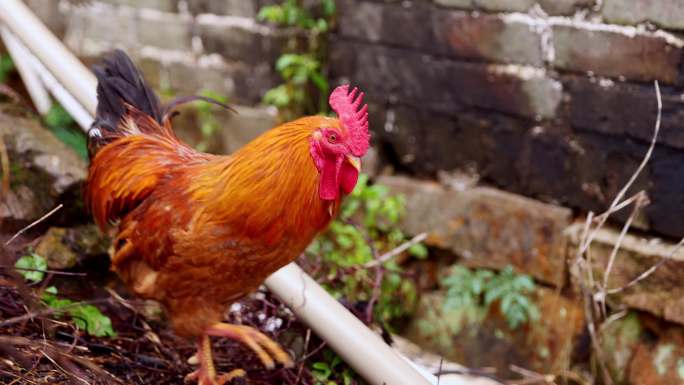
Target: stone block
[
  {"x": 615, "y": 52},
  {"x": 474, "y": 337},
  {"x": 487, "y": 227},
  {"x": 665, "y": 13},
  {"x": 487, "y": 37}
]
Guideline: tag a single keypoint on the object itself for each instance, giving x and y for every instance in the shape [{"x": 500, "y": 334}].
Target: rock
[
  {"x": 52, "y": 247},
  {"x": 64, "y": 248},
  {"x": 43, "y": 171},
  {"x": 487, "y": 227},
  {"x": 476, "y": 339},
  {"x": 661, "y": 294},
  {"x": 662, "y": 364}
]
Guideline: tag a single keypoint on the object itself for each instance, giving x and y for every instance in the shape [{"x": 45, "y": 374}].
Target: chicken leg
[{"x": 268, "y": 351}]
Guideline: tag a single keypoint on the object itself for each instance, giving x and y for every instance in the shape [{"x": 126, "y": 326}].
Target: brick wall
[
  {"x": 552, "y": 99},
  {"x": 183, "y": 46}
]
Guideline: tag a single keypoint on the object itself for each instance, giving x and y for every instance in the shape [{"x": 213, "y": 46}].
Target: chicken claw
[
  {"x": 206, "y": 374},
  {"x": 265, "y": 348}
]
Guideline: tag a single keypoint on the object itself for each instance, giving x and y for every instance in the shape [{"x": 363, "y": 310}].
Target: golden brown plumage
[{"x": 198, "y": 231}]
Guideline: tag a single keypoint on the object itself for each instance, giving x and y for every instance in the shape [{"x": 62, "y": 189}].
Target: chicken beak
[{"x": 355, "y": 161}]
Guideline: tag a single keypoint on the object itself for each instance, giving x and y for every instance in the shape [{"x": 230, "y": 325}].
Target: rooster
[{"x": 196, "y": 231}]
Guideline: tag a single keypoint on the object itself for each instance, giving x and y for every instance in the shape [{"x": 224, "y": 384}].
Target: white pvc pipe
[
  {"x": 20, "y": 56},
  {"x": 362, "y": 349},
  {"x": 41, "y": 42},
  {"x": 63, "y": 96},
  {"x": 359, "y": 346}
]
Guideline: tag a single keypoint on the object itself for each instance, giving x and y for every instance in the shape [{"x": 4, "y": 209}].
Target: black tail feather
[{"x": 119, "y": 83}]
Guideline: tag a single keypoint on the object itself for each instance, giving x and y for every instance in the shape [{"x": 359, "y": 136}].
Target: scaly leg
[
  {"x": 265, "y": 348},
  {"x": 206, "y": 374}
]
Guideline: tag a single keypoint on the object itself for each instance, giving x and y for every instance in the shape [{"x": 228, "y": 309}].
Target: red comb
[{"x": 355, "y": 120}]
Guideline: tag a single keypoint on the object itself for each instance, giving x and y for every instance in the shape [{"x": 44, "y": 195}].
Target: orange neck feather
[{"x": 269, "y": 188}]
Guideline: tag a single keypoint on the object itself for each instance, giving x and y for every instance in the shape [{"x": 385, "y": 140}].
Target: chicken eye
[{"x": 332, "y": 138}]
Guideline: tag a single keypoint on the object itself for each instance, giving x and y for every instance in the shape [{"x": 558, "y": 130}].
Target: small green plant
[
  {"x": 331, "y": 370},
  {"x": 63, "y": 126},
  {"x": 6, "y": 67},
  {"x": 367, "y": 228},
  {"x": 302, "y": 64},
  {"x": 32, "y": 267},
  {"x": 468, "y": 288},
  {"x": 86, "y": 317}
]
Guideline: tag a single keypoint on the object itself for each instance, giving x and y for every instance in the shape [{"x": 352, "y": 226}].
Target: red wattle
[
  {"x": 329, "y": 188},
  {"x": 348, "y": 177}
]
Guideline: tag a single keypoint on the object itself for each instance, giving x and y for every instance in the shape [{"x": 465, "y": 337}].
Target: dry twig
[{"x": 36, "y": 222}]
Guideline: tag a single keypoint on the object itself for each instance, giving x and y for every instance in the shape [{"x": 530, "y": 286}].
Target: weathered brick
[
  {"x": 463, "y": 4},
  {"x": 522, "y": 91},
  {"x": 505, "y": 5},
  {"x": 247, "y": 124},
  {"x": 85, "y": 24},
  {"x": 378, "y": 22},
  {"x": 240, "y": 39},
  {"x": 487, "y": 227},
  {"x": 667, "y": 192},
  {"x": 160, "y": 5},
  {"x": 487, "y": 37},
  {"x": 564, "y": 7},
  {"x": 240, "y": 82},
  {"x": 665, "y": 13},
  {"x": 164, "y": 30},
  {"x": 660, "y": 294},
  {"x": 48, "y": 12},
  {"x": 615, "y": 52},
  {"x": 625, "y": 109},
  {"x": 245, "y": 8},
  {"x": 594, "y": 168},
  {"x": 490, "y": 5}
]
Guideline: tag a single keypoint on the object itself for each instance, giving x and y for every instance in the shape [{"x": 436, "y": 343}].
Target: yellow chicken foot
[
  {"x": 265, "y": 348},
  {"x": 206, "y": 374}
]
